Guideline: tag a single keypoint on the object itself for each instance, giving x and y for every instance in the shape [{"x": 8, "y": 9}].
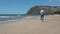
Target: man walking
[{"x": 42, "y": 14}]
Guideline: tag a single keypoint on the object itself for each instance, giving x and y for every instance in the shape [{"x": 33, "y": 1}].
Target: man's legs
[{"x": 42, "y": 17}]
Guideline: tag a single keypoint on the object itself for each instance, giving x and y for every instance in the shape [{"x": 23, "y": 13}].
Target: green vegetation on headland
[{"x": 48, "y": 10}]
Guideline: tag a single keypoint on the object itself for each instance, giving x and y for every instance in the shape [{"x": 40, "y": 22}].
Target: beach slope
[{"x": 33, "y": 25}]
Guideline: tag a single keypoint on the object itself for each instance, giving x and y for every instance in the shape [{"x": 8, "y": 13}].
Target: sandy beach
[{"x": 33, "y": 25}]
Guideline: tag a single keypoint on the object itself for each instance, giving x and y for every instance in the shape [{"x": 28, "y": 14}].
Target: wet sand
[{"x": 34, "y": 25}]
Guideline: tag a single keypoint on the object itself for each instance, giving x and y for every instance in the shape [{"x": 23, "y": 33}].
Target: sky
[{"x": 22, "y": 6}]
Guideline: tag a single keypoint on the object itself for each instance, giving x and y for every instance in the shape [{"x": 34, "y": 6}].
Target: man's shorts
[{"x": 42, "y": 17}]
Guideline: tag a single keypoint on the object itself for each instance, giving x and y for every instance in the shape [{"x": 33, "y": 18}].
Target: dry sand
[{"x": 51, "y": 25}]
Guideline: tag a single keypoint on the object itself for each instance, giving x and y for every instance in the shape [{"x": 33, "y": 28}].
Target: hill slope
[{"x": 48, "y": 9}]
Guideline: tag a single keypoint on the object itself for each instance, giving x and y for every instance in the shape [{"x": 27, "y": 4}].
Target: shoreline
[
  {"x": 28, "y": 17},
  {"x": 15, "y": 20}
]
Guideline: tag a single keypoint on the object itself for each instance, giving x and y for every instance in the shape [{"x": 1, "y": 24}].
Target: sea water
[{"x": 8, "y": 18}]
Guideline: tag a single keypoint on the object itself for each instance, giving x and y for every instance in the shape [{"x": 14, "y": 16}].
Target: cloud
[
  {"x": 57, "y": 0},
  {"x": 54, "y": 0},
  {"x": 50, "y": 0}
]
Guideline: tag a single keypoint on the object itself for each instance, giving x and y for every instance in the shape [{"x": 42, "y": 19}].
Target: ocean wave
[
  {"x": 28, "y": 17},
  {"x": 4, "y": 16}
]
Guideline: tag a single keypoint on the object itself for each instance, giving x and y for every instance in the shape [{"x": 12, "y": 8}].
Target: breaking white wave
[
  {"x": 4, "y": 16},
  {"x": 28, "y": 17}
]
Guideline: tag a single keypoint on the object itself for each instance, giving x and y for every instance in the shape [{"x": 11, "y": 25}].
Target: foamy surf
[{"x": 28, "y": 17}]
